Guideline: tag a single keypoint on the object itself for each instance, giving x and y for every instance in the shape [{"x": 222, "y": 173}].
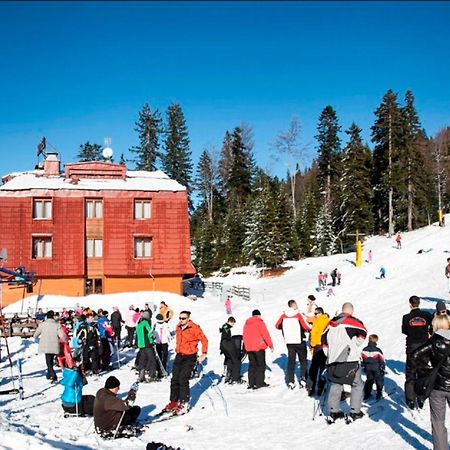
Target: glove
[{"x": 131, "y": 397}]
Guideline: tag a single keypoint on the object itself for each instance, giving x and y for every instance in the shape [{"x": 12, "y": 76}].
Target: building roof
[{"x": 134, "y": 181}]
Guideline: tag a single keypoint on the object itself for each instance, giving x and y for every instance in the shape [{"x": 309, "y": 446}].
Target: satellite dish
[{"x": 107, "y": 152}]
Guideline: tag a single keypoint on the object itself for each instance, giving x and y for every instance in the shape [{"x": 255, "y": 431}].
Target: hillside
[{"x": 231, "y": 417}]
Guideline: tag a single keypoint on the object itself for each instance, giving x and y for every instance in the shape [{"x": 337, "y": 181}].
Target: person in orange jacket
[
  {"x": 256, "y": 339},
  {"x": 188, "y": 336},
  {"x": 318, "y": 356},
  {"x": 165, "y": 311}
]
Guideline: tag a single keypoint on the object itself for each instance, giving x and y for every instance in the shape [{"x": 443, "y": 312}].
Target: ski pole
[
  {"x": 158, "y": 359},
  {"x": 118, "y": 425}
]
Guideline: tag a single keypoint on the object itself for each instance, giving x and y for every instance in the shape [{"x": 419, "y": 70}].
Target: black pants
[
  {"x": 373, "y": 376},
  {"x": 256, "y": 368},
  {"x": 50, "y": 361},
  {"x": 130, "y": 336},
  {"x": 181, "y": 374},
  {"x": 163, "y": 352},
  {"x": 86, "y": 407},
  {"x": 147, "y": 361},
  {"x": 410, "y": 373},
  {"x": 91, "y": 358},
  {"x": 316, "y": 369},
  {"x": 105, "y": 353},
  {"x": 117, "y": 334},
  {"x": 232, "y": 361},
  {"x": 131, "y": 416},
  {"x": 295, "y": 350}
]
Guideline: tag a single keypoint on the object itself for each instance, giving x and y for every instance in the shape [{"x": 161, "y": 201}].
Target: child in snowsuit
[
  {"x": 374, "y": 367},
  {"x": 382, "y": 272}
]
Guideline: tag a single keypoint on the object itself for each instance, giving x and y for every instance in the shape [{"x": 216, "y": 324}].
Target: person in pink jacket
[{"x": 256, "y": 339}]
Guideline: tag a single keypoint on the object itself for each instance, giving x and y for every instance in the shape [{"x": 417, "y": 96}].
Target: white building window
[
  {"x": 142, "y": 247},
  {"x": 142, "y": 209},
  {"x": 42, "y": 208},
  {"x": 94, "y": 209},
  {"x": 94, "y": 248},
  {"x": 42, "y": 247}
]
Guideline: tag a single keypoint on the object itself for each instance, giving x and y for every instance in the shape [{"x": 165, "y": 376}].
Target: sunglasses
[
  {"x": 183, "y": 318},
  {"x": 317, "y": 313}
]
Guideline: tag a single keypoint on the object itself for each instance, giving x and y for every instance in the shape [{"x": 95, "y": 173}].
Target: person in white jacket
[
  {"x": 50, "y": 333},
  {"x": 130, "y": 326},
  {"x": 343, "y": 344},
  {"x": 294, "y": 325},
  {"x": 162, "y": 335}
]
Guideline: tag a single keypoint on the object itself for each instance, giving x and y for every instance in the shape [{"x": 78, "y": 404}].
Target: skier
[
  {"x": 50, "y": 334},
  {"x": 161, "y": 335},
  {"x": 228, "y": 348},
  {"x": 382, "y": 272},
  {"x": 228, "y": 305},
  {"x": 90, "y": 341},
  {"x": 188, "y": 336},
  {"x": 374, "y": 367},
  {"x": 130, "y": 325},
  {"x": 435, "y": 354},
  {"x": 416, "y": 326},
  {"x": 256, "y": 339},
  {"x": 447, "y": 274},
  {"x": 72, "y": 399},
  {"x": 333, "y": 277},
  {"x": 294, "y": 325},
  {"x": 369, "y": 257},
  {"x": 321, "y": 280},
  {"x": 310, "y": 308},
  {"x": 116, "y": 323},
  {"x": 339, "y": 277},
  {"x": 165, "y": 311},
  {"x": 145, "y": 344},
  {"x": 398, "y": 240},
  {"x": 318, "y": 356},
  {"x": 342, "y": 344},
  {"x": 110, "y": 411},
  {"x": 65, "y": 355}
]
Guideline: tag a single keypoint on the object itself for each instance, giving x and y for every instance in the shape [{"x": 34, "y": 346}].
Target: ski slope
[{"x": 231, "y": 417}]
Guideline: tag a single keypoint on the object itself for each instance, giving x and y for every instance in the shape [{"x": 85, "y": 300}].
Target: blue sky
[{"x": 81, "y": 71}]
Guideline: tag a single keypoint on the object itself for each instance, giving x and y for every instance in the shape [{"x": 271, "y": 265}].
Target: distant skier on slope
[{"x": 398, "y": 240}]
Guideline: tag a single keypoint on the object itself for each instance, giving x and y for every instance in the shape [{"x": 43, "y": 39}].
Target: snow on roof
[{"x": 135, "y": 181}]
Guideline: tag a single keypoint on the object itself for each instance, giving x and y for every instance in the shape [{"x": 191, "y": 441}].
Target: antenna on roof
[{"x": 107, "y": 151}]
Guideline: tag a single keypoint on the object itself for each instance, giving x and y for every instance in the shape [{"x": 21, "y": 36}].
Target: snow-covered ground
[{"x": 231, "y": 417}]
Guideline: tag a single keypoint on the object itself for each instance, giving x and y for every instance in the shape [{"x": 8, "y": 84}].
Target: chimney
[{"x": 51, "y": 165}]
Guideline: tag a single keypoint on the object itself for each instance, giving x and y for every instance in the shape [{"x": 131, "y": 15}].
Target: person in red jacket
[
  {"x": 256, "y": 339},
  {"x": 188, "y": 336}
]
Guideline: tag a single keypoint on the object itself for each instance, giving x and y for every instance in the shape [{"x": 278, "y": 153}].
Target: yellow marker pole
[
  {"x": 358, "y": 253},
  {"x": 441, "y": 217}
]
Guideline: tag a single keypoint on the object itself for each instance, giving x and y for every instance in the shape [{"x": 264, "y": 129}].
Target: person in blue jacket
[{"x": 72, "y": 399}]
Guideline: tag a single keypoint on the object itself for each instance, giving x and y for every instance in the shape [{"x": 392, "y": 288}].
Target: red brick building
[{"x": 97, "y": 228}]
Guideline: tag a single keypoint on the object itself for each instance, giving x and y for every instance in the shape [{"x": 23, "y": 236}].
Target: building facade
[{"x": 97, "y": 228}]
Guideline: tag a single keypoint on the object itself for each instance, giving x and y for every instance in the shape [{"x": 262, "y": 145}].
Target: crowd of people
[{"x": 332, "y": 353}]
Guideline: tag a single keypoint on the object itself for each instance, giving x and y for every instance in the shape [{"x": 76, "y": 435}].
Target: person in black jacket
[
  {"x": 437, "y": 351},
  {"x": 232, "y": 360},
  {"x": 374, "y": 366},
  {"x": 416, "y": 326},
  {"x": 116, "y": 324}
]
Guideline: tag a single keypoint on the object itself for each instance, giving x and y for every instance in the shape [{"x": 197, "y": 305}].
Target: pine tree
[
  {"x": 177, "y": 158},
  {"x": 323, "y": 233},
  {"x": 355, "y": 190},
  {"x": 225, "y": 164},
  {"x": 206, "y": 181},
  {"x": 233, "y": 238},
  {"x": 418, "y": 178},
  {"x": 149, "y": 129},
  {"x": 387, "y": 179},
  {"x": 328, "y": 150},
  {"x": 90, "y": 152},
  {"x": 239, "y": 182}
]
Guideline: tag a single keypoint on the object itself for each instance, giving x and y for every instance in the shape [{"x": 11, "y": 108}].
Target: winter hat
[
  {"x": 159, "y": 317},
  {"x": 440, "y": 306},
  {"x": 256, "y": 312},
  {"x": 112, "y": 382}
]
